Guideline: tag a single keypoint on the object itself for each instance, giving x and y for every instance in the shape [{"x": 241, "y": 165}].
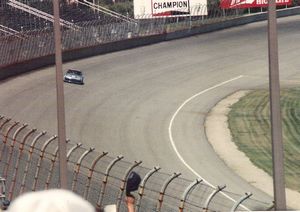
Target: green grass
[{"x": 249, "y": 122}]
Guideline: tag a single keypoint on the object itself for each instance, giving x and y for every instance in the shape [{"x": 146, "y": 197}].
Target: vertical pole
[
  {"x": 242, "y": 199},
  {"x": 60, "y": 99},
  {"x": 276, "y": 128}
]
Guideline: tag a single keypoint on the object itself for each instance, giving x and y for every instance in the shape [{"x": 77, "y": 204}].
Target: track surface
[{"x": 139, "y": 103}]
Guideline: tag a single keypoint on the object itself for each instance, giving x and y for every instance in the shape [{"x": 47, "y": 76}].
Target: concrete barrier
[
  {"x": 74, "y": 54},
  {"x": 231, "y": 23}
]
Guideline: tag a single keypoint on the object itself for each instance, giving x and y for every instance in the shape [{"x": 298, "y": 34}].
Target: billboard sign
[
  {"x": 232, "y": 4},
  {"x": 168, "y": 8}
]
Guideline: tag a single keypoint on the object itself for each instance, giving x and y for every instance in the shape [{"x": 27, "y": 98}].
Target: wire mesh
[
  {"x": 35, "y": 167},
  {"x": 25, "y": 36},
  {"x": 26, "y": 27}
]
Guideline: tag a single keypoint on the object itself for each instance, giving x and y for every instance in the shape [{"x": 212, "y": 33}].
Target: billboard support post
[
  {"x": 276, "y": 128},
  {"x": 60, "y": 99}
]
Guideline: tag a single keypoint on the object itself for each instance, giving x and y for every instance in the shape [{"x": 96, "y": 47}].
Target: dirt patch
[{"x": 219, "y": 136}]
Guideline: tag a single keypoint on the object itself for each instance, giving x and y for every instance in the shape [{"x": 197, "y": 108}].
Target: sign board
[
  {"x": 232, "y": 4},
  {"x": 144, "y": 9}
]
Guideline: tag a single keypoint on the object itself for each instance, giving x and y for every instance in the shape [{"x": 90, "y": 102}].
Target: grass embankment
[{"x": 249, "y": 122}]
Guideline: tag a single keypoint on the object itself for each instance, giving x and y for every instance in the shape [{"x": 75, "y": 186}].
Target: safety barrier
[
  {"x": 27, "y": 50},
  {"x": 29, "y": 162},
  {"x": 29, "y": 158},
  {"x": 39, "y": 42}
]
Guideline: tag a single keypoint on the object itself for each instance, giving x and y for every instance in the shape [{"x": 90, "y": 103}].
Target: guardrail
[
  {"x": 33, "y": 49},
  {"x": 29, "y": 162}
]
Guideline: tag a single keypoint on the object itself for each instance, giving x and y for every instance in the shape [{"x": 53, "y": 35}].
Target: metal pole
[
  {"x": 276, "y": 128},
  {"x": 212, "y": 195},
  {"x": 242, "y": 199},
  {"x": 186, "y": 192},
  {"x": 60, "y": 99}
]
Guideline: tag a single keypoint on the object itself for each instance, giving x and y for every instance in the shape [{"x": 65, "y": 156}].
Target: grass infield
[{"x": 249, "y": 123}]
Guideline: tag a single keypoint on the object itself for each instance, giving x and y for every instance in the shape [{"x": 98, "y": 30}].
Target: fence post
[
  {"x": 91, "y": 171},
  {"x": 271, "y": 207},
  {"x": 242, "y": 199},
  {"x": 187, "y": 192},
  {"x": 211, "y": 196},
  {"x": 40, "y": 160},
  {"x": 76, "y": 146},
  {"x": 6, "y": 135},
  {"x": 29, "y": 159},
  {"x": 122, "y": 187},
  {"x": 104, "y": 182},
  {"x": 77, "y": 168},
  {"x": 142, "y": 186},
  {"x": 6, "y": 121},
  {"x": 20, "y": 153},
  {"x": 53, "y": 159},
  {"x": 163, "y": 189},
  {"x": 9, "y": 129},
  {"x": 12, "y": 144}
]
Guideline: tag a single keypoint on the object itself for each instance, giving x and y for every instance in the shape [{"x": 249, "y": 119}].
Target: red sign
[{"x": 229, "y": 4}]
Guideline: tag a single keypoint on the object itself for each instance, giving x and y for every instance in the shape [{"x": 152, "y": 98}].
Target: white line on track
[{"x": 171, "y": 136}]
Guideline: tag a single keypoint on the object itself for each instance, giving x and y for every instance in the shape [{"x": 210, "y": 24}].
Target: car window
[{"x": 74, "y": 72}]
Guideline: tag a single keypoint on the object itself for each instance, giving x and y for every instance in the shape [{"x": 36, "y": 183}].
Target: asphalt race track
[{"x": 150, "y": 103}]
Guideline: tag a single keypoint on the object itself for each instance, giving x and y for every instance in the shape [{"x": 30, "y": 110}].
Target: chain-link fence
[
  {"x": 29, "y": 158},
  {"x": 29, "y": 162},
  {"x": 26, "y": 27}
]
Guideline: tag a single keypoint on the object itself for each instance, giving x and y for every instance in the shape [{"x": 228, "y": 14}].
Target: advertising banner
[
  {"x": 168, "y": 8},
  {"x": 231, "y": 4}
]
